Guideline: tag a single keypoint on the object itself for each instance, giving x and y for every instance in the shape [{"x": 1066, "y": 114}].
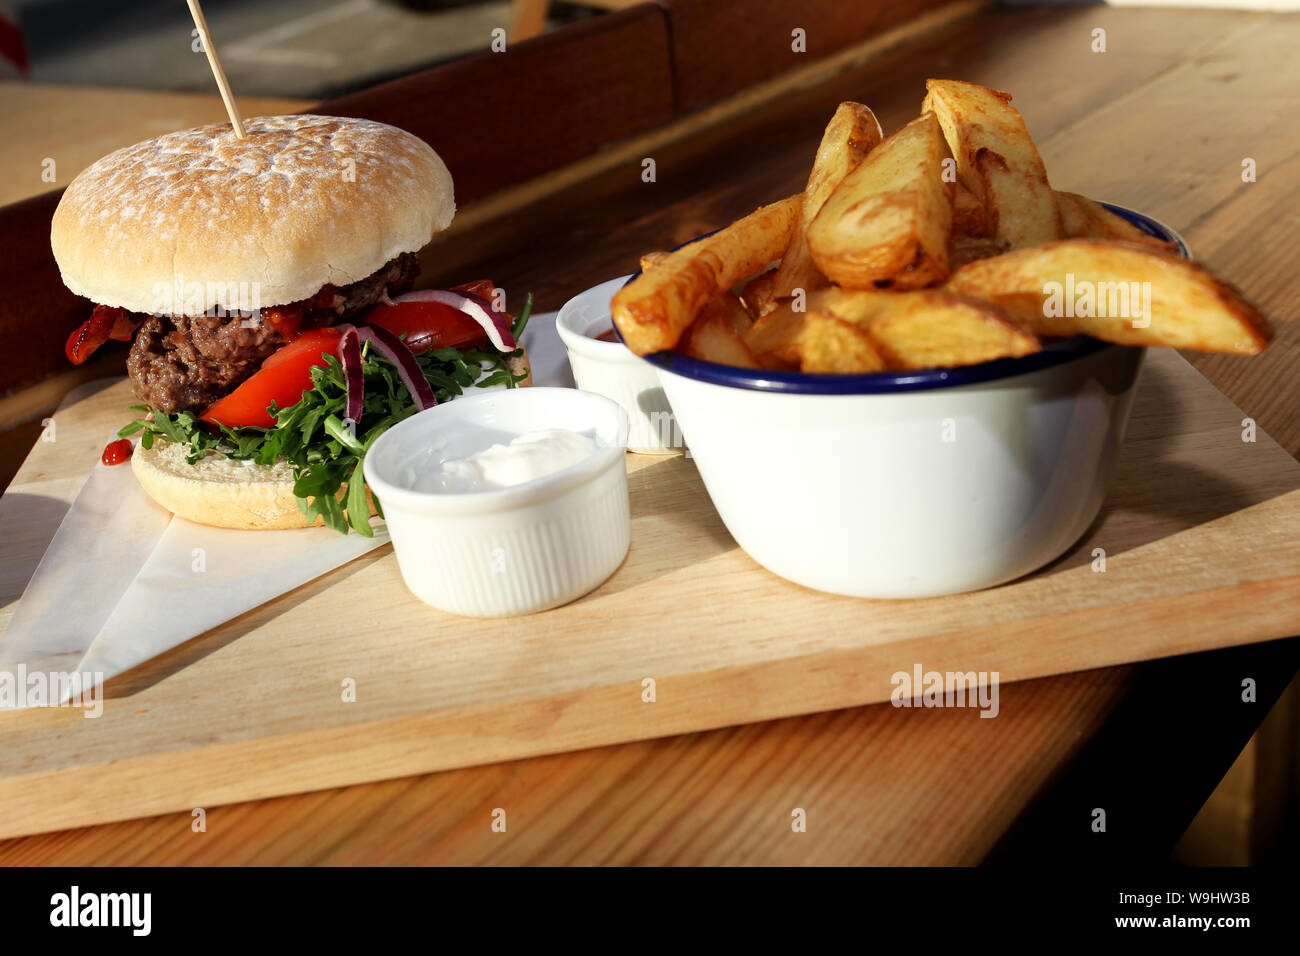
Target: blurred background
[{"x": 312, "y": 49}]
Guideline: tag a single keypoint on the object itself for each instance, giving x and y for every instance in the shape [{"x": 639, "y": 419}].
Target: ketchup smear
[
  {"x": 117, "y": 452},
  {"x": 606, "y": 336}
]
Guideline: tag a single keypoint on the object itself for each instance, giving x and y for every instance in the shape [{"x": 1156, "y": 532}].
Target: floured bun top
[{"x": 201, "y": 220}]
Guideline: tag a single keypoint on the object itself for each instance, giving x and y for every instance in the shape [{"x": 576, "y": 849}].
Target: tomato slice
[
  {"x": 426, "y": 325},
  {"x": 91, "y": 334},
  {"x": 105, "y": 322},
  {"x": 282, "y": 379}
]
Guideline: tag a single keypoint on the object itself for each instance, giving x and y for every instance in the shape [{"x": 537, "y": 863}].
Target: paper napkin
[{"x": 123, "y": 580}]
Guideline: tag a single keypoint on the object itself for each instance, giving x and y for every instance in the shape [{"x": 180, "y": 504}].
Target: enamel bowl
[{"x": 910, "y": 484}]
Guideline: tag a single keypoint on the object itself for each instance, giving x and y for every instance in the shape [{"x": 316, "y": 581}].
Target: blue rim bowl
[{"x": 804, "y": 383}]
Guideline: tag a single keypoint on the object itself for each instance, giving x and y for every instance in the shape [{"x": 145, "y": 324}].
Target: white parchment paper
[{"x": 93, "y": 604}]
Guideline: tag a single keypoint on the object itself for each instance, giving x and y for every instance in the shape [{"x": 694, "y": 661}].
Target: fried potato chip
[
  {"x": 655, "y": 309},
  {"x": 1120, "y": 292},
  {"x": 775, "y": 338},
  {"x": 850, "y": 135},
  {"x": 833, "y": 346},
  {"x": 713, "y": 338},
  {"x": 1083, "y": 218},
  {"x": 996, "y": 160},
  {"x": 928, "y": 328},
  {"x": 888, "y": 222}
]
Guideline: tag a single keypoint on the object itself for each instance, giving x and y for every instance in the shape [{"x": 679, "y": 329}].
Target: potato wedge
[
  {"x": 852, "y": 133},
  {"x": 712, "y": 337},
  {"x": 964, "y": 249},
  {"x": 731, "y": 310},
  {"x": 831, "y": 345},
  {"x": 1074, "y": 220},
  {"x": 887, "y": 223},
  {"x": 968, "y": 217},
  {"x": 776, "y": 338},
  {"x": 652, "y": 260},
  {"x": 928, "y": 328},
  {"x": 1120, "y": 292},
  {"x": 655, "y": 309},
  {"x": 996, "y": 160},
  {"x": 1084, "y": 218},
  {"x": 757, "y": 294}
]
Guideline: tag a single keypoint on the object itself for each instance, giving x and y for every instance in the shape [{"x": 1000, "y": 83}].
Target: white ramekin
[
  {"x": 513, "y": 550},
  {"x": 609, "y": 369}
]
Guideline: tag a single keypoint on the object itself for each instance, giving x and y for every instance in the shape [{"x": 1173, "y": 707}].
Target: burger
[{"x": 264, "y": 285}]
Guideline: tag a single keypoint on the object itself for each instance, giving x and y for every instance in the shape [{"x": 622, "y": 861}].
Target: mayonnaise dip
[{"x": 528, "y": 456}]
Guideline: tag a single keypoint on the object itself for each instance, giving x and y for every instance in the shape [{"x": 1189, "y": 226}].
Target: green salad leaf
[{"x": 326, "y": 455}]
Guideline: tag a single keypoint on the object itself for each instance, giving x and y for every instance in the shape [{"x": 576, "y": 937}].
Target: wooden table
[
  {"x": 1161, "y": 122},
  {"x": 72, "y": 126}
]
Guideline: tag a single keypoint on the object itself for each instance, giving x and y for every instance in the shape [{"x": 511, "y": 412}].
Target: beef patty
[{"x": 188, "y": 362}]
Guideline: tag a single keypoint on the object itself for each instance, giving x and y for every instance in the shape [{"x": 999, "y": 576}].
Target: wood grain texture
[
  {"x": 500, "y": 118},
  {"x": 718, "y": 51},
  {"x": 887, "y": 785},
  {"x": 877, "y": 785},
  {"x": 726, "y": 642}
]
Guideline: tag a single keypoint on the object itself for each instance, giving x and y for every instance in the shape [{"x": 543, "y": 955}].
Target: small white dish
[
  {"x": 610, "y": 369},
  {"x": 514, "y": 550}
]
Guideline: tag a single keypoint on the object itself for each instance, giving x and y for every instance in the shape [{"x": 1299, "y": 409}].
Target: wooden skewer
[{"x": 214, "y": 61}]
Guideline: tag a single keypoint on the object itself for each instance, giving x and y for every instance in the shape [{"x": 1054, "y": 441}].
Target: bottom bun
[
  {"x": 226, "y": 493},
  {"x": 218, "y": 491}
]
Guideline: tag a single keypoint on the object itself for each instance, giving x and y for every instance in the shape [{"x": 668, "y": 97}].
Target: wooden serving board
[{"x": 1200, "y": 534}]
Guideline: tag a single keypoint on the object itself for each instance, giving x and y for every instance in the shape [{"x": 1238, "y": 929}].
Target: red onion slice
[
  {"x": 502, "y": 321},
  {"x": 394, "y": 349},
  {"x": 496, "y": 324},
  {"x": 350, "y": 359}
]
